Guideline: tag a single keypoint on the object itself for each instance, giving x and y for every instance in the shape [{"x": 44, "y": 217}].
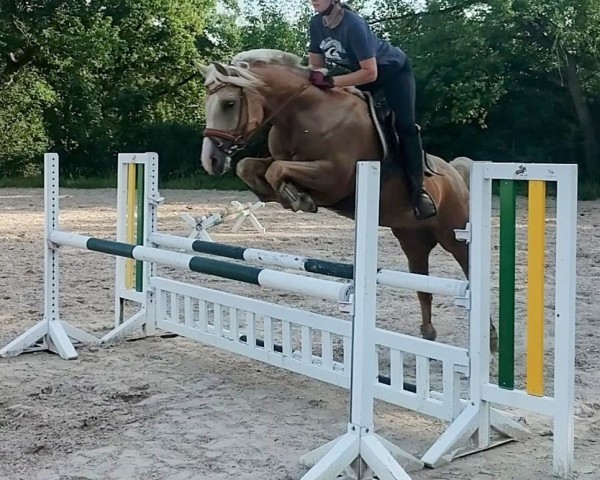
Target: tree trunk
[{"x": 591, "y": 146}]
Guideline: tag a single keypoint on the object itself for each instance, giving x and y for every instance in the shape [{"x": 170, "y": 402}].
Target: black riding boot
[{"x": 423, "y": 204}]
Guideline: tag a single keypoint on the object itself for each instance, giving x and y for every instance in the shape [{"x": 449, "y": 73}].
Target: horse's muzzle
[
  {"x": 216, "y": 161},
  {"x": 225, "y": 142}
]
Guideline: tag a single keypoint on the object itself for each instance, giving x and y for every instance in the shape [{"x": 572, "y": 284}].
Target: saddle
[{"x": 384, "y": 119}]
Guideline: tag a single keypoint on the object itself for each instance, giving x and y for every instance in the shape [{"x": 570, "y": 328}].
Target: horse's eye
[{"x": 228, "y": 104}]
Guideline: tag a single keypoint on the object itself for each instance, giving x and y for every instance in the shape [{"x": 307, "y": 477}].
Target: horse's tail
[{"x": 463, "y": 166}]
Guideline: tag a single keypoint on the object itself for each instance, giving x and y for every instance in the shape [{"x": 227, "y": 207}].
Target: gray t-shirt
[{"x": 351, "y": 42}]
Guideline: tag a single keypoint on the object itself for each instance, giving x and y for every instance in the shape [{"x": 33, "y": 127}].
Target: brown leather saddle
[{"x": 383, "y": 119}]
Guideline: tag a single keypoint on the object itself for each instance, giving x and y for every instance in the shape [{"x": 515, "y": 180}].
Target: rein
[{"x": 239, "y": 137}]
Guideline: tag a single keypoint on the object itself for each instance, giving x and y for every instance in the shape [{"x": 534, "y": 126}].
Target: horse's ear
[
  {"x": 244, "y": 65},
  {"x": 203, "y": 69},
  {"x": 222, "y": 69}
]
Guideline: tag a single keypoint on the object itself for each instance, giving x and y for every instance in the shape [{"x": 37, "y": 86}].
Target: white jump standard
[{"x": 238, "y": 211}]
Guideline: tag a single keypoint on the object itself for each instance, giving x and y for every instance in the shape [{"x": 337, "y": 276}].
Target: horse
[{"x": 315, "y": 139}]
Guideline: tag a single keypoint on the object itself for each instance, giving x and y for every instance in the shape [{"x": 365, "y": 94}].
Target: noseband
[
  {"x": 235, "y": 140},
  {"x": 230, "y": 142}
]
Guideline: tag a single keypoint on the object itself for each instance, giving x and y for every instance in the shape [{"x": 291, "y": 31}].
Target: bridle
[{"x": 230, "y": 142}]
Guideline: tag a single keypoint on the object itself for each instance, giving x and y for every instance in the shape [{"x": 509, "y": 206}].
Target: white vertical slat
[
  {"x": 449, "y": 389},
  {"x": 456, "y": 401},
  {"x": 268, "y": 334},
  {"x": 234, "y": 324},
  {"x": 326, "y": 350},
  {"x": 161, "y": 307},
  {"x": 172, "y": 307},
  {"x": 169, "y": 306},
  {"x": 397, "y": 369},
  {"x": 218, "y": 312},
  {"x": 188, "y": 311},
  {"x": 286, "y": 338},
  {"x": 422, "y": 376},
  {"x": 181, "y": 307},
  {"x": 251, "y": 335},
  {"x": 306, "y": 345},
  {"x": 202, "y": 315}
]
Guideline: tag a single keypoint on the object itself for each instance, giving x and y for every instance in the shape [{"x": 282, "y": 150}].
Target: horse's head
[
  {"x": 233, "y": 110},
  {"x": 234, "y": 105}
]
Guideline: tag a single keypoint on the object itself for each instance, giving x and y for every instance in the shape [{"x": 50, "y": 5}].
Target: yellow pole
[
  {"x": 535, "y": 287},
  {"x": 129, "y": 264}
]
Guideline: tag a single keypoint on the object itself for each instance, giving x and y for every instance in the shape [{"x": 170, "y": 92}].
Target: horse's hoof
[
  {"x": 307, "y": 204},
  {"x": 428, "y": 332},
  {"x": 304, "y": 203}
]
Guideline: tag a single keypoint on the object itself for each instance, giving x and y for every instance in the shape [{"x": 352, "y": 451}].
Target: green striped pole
[
  {"x": 506, "y": 358},
  {"x": 314, "y": 287}
]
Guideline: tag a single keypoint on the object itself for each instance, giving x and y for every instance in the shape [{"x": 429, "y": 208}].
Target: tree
[
  {"x": 498, "y": 73},
  {"x": 114, "y": 69}
]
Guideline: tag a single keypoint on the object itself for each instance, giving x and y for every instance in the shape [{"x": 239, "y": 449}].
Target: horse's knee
[
  {"x": 274, "y": 174},
  {"x": 245, "y": 168},
  {"x": 252, "y": 170}
]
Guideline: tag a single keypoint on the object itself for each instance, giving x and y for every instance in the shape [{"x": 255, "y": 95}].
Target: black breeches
[{"x": 398, "y": 87}]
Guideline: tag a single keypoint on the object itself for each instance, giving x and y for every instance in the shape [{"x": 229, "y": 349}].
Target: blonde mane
[
  {"x": 238, "y": 72},
  {"x": 236, "y": 75},
  {"x": 267, "y": 56}
]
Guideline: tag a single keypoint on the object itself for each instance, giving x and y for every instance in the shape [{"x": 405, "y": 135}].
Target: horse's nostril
[{"x": 216, "y": 166}]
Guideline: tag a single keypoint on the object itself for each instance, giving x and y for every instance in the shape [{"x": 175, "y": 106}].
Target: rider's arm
[
  {"x": 363, "y": 43},
  {"x": 366, "y": 74}
]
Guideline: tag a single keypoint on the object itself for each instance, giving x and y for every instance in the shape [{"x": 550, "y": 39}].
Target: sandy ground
[{"x": 169, "y": 408}]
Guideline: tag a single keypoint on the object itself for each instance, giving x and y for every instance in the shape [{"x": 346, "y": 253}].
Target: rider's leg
[{"x": 399, "y": 89}]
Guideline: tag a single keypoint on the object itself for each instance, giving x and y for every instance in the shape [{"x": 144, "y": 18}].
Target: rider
[{"x": 340, "y": 35}]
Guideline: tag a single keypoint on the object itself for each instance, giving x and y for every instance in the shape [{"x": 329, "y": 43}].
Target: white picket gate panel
[{"x": 308, "y": 343}]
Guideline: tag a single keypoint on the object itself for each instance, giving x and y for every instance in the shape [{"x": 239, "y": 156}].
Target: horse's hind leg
[
  {"x": 460, "y": 251},
  {"x": 417, "y": 245}
]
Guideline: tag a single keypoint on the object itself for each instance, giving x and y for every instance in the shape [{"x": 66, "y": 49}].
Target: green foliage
[
  {"x": 23, "y": 136},
  {"x": 270, "y": 24},
  {"x": 504, "y": 79},
  {"x": 112, "y": 71}
]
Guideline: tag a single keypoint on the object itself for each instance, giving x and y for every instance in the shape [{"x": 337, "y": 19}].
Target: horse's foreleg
[
  {"x": 417, "y": 245},
  {"x": 252, "y": 172},
  {"x": 317, "y": 177}
]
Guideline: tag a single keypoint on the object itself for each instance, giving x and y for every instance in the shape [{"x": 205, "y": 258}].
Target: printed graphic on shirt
[{"x": 333, "y": 49}]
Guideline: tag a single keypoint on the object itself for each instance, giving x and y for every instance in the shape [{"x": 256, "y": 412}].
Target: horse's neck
[{"x": 285, "y": 93}]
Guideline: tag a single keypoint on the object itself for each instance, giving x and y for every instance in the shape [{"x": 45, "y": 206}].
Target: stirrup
[{"x": 424, "y": 200}]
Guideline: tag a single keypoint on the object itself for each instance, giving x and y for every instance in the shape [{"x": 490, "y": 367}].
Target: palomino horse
[{"x": 315, "y": 140}]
